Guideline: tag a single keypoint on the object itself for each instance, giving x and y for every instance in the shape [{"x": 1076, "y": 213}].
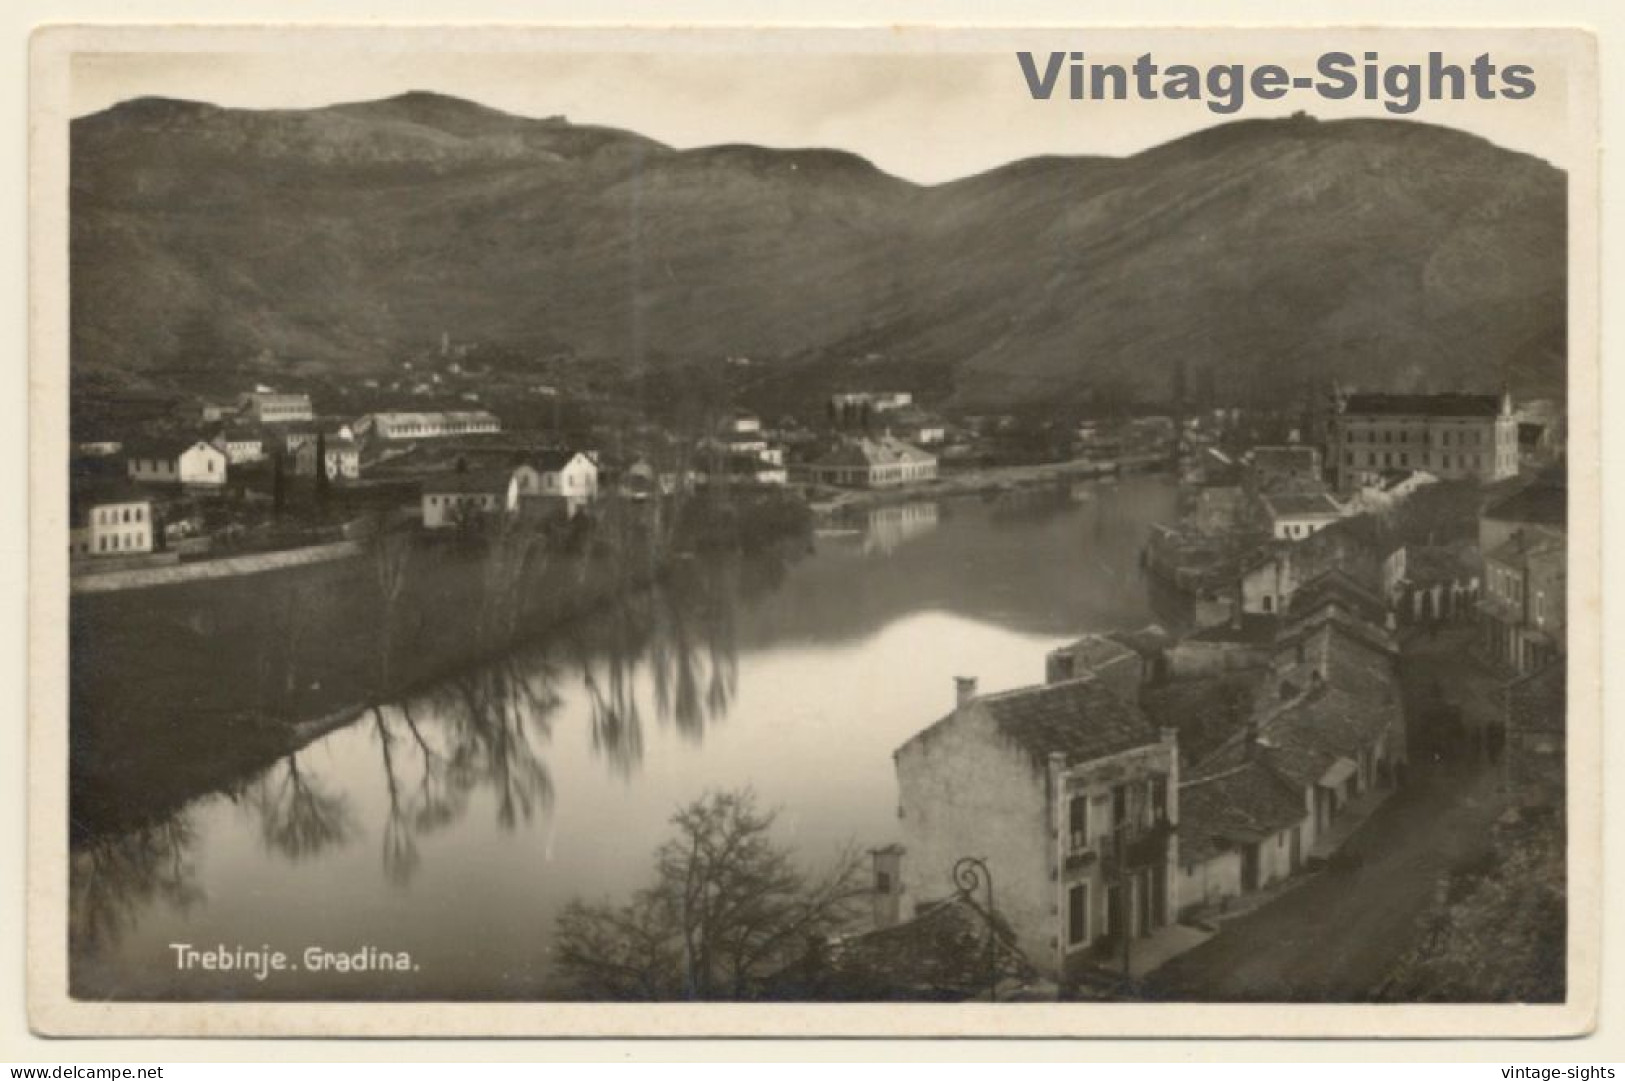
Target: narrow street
[{"x": 1335, "y": 937}]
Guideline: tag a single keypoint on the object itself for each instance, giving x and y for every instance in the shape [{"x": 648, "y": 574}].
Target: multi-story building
[
  {"x": 1068, "y": 793},
  {"x": 1524, "y": 540},
  {"x": 393, "y": 426},
  {"x": 269, "y": 407},
  {"x": 1453, "y": 436},
  {"x": 109, "y": 520}
]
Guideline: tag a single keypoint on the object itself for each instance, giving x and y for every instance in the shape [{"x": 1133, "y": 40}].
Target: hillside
[{"x": 1256, "y": 254}]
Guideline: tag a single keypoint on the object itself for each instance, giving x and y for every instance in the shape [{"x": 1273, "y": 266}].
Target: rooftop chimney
[{"x": 964, "y": 689}]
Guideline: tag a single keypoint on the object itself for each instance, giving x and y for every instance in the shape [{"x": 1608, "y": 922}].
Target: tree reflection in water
[
  {"x": 111, "y": 879},
  {"x": 298, "y": 817}
]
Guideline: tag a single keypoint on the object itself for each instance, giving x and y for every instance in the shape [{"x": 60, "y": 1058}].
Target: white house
[
  {"x": 566, "y": 475},
  {"x": 1296, "y": 515},
  {"x": 109, "y": 521},
  {"x": 185, "y": 460}
]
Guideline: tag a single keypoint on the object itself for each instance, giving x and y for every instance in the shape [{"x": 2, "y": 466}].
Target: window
[
  {"x": 1159, "y": 797},
  {"x": 1269, "y": 603},
  {"x": 1119, "y": 805},
  {"x": 882, "y": 881},
  {"x": 1077, "y": 914},
  {"x": 1078, "y": 822}
]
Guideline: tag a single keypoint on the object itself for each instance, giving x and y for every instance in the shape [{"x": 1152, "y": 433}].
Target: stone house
[
  {"x": 1296, "y": 516},
  {"x": 110, "y": 519},
  {"x": 1068, "y": 793},
  {"x": 342, "y": 458},
  {"x": 458, "y": 500},
  {"x": 1241, "y": 828}
]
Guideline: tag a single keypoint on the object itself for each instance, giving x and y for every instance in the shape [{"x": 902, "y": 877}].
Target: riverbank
[{"x": 828, "y": 502}]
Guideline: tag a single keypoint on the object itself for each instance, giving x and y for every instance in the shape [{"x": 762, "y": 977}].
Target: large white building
[
  {"x": 269, "y": 407},
  {"x": 462, "y": 500},
  {"x": 1452, "y": 436},
  {"x": 402, "y": 426}
]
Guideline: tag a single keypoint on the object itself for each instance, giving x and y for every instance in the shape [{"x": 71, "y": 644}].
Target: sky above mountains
[{"x": 923, "y": 105}]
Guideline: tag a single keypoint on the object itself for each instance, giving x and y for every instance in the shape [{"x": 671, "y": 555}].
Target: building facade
[
  {"x": 883, "y": 462},
  {"x": 268, "y": 407},
  {"x": 1452, "y": 436},
  {"x": 343, "y": 458},
  {"x": 110, "y": 522},
  {"x": 439, "y": 425},
  {"x": 1070, "y": 796},
  {"x": 190, "y": 462}
]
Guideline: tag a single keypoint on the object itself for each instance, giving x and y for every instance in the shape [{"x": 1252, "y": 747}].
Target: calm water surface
[{"x": 456, "y": 824}]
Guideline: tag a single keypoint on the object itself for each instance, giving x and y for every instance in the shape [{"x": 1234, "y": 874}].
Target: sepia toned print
[{"x": 524, "y": 547}]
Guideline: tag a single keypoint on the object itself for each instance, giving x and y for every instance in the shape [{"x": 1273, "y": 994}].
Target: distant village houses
[{"x": 882, "y": 462}]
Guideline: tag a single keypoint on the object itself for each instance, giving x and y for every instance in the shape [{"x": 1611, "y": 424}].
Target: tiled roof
[
  {"x": 1545, "y": 502},
  {"x": 163, "y": 446},
  {"x": 1080, "y": 719},
  {"x": 1423, "y": 405},
  {"x": 86, "y": 494},
  {"x": 871, "y": 452},
  {"x": 484, "y": 482},
  {"x": 552, "y": 460},
  {"x": 1301, "y": 504},
  {"x": 1240, "y": 804},
  {"x": 1097, "y": 651},
  {"x": 1337, "y": 586},
  {"x": 1522, "y": 547},
  {"x": 1426, "y": 564}
]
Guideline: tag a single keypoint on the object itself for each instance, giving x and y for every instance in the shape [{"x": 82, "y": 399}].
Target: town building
[
  {"x": 1290, "y": 467},
  {"x": 1068, "y": 793},
  {"x": 343, "y": 457},
  {"x": 1119, "y": 667},
  {"x": 741, "y": 453},
  {"x": 1453, "y": 436},
  {"x": 111, "y": 519},
  {"x": 1357, "y": 545},
  {"x": 435, "y": 425},
  {"x": 181, "y": 459},
  {"x": 242, "y": 443},
  {"x": 882, "y": 462},
  {"x": 1295, "y": 516},
  {"x": 467, "y": 499},
  {"x": 1436, "y": 582},
  {"x": 269, "y": 407},
  {"x": 1541, "y": 506},
  {"x": 567, "y": 477},
  {"x": 1241, "y": 828},
  {"x": 1524, "y": 600}
]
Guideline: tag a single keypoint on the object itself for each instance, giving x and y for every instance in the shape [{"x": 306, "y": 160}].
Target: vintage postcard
[{"x": 815, "y": 532}]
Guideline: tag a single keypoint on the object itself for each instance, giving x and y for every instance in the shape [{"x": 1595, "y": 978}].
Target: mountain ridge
[{"x": 1260, "y": 252}]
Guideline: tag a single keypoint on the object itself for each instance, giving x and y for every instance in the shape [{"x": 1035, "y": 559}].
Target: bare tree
[{"x": 728, "y": 908}]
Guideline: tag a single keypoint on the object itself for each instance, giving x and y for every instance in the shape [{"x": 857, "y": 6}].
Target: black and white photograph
[{"x": 1057, "y": 517}]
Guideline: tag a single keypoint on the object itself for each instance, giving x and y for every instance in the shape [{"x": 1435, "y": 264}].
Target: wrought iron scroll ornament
[{"x": 971, "y": 874}]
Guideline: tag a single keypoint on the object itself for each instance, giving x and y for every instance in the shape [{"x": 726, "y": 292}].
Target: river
[{"x": 455, "y": 825}]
